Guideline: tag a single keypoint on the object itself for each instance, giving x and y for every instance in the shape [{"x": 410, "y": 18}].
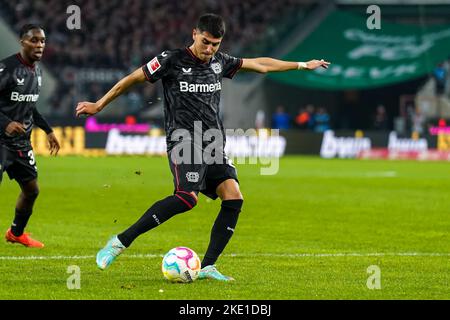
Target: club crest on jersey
[
  {"x": 153, "y": 65},
  {"x": 40, "y": 81},
  {"x": 192, "y": 177},
  {"x": 217, "y": 67}
]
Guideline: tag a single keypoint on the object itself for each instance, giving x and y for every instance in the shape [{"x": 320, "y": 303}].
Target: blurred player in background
[
  {"x": 20, "y": 84},
  {"x": 192, "y": 78}
]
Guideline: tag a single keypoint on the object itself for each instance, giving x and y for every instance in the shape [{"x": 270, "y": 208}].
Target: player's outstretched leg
[
  {"x": 211, "y": 272},
  {"x": 160, "y": 212},
  {"x": 109, "y": 253}
]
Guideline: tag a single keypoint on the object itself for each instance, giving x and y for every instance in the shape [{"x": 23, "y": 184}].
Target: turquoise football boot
[
  {"x": 210, "y": 272},
  {"x": 109, "y": 253}
]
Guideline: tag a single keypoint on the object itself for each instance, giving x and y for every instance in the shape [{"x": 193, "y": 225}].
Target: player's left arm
[
  {"x": 265, "y": 65},
  {"x": 4, "y": 122},
  {"x": 53, "y": 142}
]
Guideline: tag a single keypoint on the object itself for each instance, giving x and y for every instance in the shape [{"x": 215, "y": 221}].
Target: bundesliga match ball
[{"x": 181, "y": 264}]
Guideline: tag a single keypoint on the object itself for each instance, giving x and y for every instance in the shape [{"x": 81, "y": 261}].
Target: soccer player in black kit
[
  {"x": 20, "y": 84},
  {"x": 192, "y": 79}
]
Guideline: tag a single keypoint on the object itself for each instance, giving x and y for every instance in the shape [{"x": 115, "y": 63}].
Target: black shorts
[
  {"x": 20, "y": 165},
  {"x": 204, "y": 178}
]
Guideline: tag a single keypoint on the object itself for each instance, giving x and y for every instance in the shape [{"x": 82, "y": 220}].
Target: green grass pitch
[{"x": 309, "y": 232}]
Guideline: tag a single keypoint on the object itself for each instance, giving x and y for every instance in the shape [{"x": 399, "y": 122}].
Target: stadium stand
[{"x": 119, "y": 36}]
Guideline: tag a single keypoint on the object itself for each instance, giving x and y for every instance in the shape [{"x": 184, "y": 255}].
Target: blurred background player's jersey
[
  {"x": 19, "y": 91},
  {"x": 191, "y": 89}
]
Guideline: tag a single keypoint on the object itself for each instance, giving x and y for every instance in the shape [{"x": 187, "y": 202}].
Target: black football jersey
[
  {"x": 191, "y": 89},
  {"x": 20, "y": 85}
]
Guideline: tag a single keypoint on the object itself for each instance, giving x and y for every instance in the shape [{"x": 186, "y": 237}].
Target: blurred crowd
[
  {"x": 118, "y": 34},
  {"x": 311, "y": 118},
  {"x": 318, "y": 119}
]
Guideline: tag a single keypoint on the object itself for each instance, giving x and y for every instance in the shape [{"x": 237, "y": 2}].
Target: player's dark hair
[
  {"x": 29, "y": 26},
  {"x": 213, "y": 24}
]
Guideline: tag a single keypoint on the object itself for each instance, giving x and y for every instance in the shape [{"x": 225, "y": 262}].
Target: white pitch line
[
  {"x": 270, "y": 255},
  {"x": 381, "y": 174}
]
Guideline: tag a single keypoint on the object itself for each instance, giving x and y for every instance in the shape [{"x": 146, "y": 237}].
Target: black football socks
[
  {"x": 158, "y": 213},
  {"x": 222, "y": 230},
  {"x": 20, "y": 221}
]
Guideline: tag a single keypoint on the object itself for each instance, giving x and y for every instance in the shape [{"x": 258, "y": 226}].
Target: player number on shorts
[{"x": 31, "y": 156}]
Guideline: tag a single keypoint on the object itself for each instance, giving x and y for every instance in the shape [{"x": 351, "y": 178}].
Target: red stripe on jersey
[
  {"x": 19, "y": 56},
  {"x": 145, "y": 73},
  {"x": 188, "y": 193},
  {"x": 176, "y": 177},
  {"x": 236, "y": 70},
  {"x": 187, "y": 203},
  {"x": 194, "y": 56}
]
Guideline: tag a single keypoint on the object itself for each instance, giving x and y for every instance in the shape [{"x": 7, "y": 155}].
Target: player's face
[
  {"x": 33, "y": 44},
  {"x": 205, "y": 45}
]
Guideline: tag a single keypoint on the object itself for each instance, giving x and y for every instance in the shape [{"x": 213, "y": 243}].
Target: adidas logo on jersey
[
  {"x": 15, "y": 96},
  {"x": 200, "y": 87}
]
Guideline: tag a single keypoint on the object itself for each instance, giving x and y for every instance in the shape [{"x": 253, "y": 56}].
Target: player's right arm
[
  {"x": 11, "y": 128},
  {"x": 4, "y": 122},
  {"x": 90, "y": 108},
  {"x": 14, "y": 128}
]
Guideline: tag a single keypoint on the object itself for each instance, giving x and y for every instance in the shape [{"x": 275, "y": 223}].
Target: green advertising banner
[{"x": 363, "y": 58}]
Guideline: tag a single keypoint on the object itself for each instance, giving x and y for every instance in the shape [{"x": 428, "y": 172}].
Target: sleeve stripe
[
  {"x": 231, "y": 75},
  {"x": 144, "y": 67}
]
